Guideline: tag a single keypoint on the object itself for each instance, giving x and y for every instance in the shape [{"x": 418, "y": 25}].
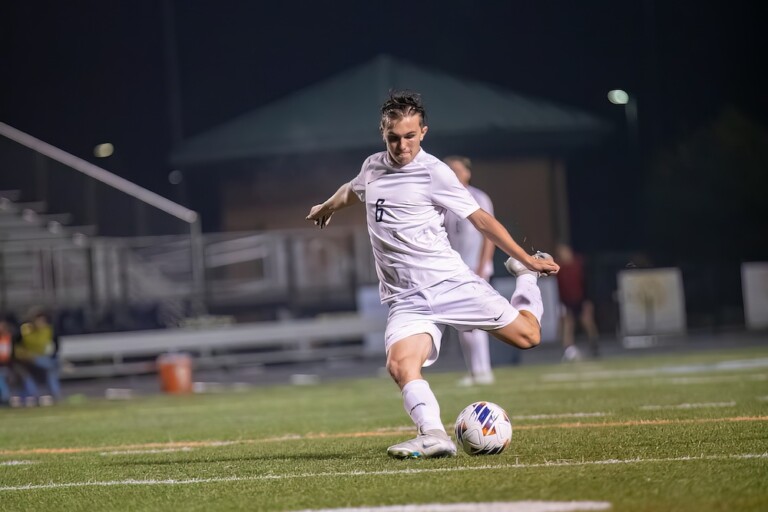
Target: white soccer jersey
[
  {"x": 404, "y": 210},
  {"x": 464, "y": 237}
]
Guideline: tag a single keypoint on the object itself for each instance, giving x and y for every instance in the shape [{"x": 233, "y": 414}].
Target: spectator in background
[
  {"x": 575, "y": 304},
  {"x": 477, "y": 252},
  {"x": 6, "y": 350},
  {"x": 37, "y": 352}
]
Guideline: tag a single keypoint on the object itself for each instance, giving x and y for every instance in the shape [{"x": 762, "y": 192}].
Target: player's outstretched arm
[
  {"x": 498, "y": 234},
  {"x": 320, "y": 214}
]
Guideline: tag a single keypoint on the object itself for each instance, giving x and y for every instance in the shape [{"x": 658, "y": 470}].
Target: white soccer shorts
[{"x": 464, "y": 302}]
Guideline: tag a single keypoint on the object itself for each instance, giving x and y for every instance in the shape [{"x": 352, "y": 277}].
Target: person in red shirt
[
  {"x": 6, "y": 351},
  {"x": 575, "y": 304}
]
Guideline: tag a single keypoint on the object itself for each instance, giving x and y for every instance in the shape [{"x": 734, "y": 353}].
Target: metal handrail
[{"x": 127, "y": 187}]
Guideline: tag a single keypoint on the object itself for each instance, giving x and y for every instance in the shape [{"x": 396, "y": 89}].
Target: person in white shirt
[
  {"x": 477, "y": 253},
  {"x": 406, "y": 192}
]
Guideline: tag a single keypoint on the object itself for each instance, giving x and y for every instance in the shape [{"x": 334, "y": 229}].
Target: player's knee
[
  {"x": 396, "y": 369},
  {"x": 392, "y": 367},
  {"x": 528, "y": 332},
  {"x": 527, "y": 339},
  {"x": 404, "y": 370},
  {"x": 532, "y": 337}
]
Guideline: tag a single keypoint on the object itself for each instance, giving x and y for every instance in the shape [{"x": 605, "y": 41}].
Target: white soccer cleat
[
  {"x": 430, "y": 444},
  {"x": 517, "y": 269}
]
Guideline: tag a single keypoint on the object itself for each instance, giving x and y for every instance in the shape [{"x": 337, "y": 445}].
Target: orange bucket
[{"x": 175, "y": 371}]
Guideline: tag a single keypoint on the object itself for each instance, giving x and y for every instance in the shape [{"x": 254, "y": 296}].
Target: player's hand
[
  {"x": 320, "y": 214},
  {"x": 546, "y": 266}
]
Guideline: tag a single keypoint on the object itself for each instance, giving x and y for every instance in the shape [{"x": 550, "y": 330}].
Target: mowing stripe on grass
[
  {"x": 352, "y": 435},
  {"x": 699, "y": 405},
  {"x": 409, "y": 428},
  {"x": 712, "y": 380},
  {"x": 640, "y": 423},
  {"x": 737, "y": 365},
  {"x": 631, "y": 423},
  {"x": 627, "y": 383},
  {"x": 141, "y": 452},
  {"x": 408, "y": 471},
  {"x": 496, "y": 506},
  {"x": 564, "y": 415},
  {"x": 144, "y": 446}
]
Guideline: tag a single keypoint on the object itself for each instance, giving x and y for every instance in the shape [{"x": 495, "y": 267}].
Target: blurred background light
[
  {"x": 618, "y": 97},
  {"x": 103, "y": 150},
  {"x": 175, "y": 177}
]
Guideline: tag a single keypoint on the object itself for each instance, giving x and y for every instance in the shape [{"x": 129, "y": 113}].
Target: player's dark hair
[{"x": 402, "y": 104}]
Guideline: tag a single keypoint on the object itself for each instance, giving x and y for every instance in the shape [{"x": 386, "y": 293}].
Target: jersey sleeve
[
  {"x": 448, "y": 192},
  {"x": 358, "y": 183}
]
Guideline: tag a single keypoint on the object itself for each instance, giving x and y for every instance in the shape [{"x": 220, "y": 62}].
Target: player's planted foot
[
  {"x": 430, "y": 444},
  {"x": 517, "y": 269}
]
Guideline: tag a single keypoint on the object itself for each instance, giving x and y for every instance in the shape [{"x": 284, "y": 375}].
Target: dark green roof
[{"x": 341, "y": 114}]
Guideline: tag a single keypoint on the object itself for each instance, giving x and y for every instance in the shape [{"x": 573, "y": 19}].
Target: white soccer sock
[
  {"x": 474, "y": 345},
  {"x": 421, "y": 405},
  {"x": 527, "y": 296}
]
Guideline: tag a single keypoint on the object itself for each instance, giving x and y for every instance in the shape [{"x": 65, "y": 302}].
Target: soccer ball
[{"x": 483, "y": 428}]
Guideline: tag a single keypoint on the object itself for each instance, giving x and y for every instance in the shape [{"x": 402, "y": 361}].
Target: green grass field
[{"x": 648, "y": 433}]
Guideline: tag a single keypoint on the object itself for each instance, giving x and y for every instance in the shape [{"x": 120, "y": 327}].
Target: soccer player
[
  {"x": 477, "y": 253},
  {"x": 427, "y": 286}
]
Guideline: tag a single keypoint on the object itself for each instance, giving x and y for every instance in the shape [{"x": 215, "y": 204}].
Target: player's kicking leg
[
  {"x": 525, "y": 331},
  {"x": 404, "y": 361}
]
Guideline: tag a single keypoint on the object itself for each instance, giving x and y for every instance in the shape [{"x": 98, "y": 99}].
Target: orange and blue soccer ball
[{"x": 483, "y": 428}]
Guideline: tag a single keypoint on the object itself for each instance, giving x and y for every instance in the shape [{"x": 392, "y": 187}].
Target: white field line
[
  {"x": 723, "y": 366},
  {"x": 54, "y": 416},
  {"x": 17, "y": 462},
  {"x": 699, "y": 405},
  {"x": 380, "y": 432},
  {"x": 449, "y": 426},
  {"x": 723, "y": 378},
  {"x": 496, "y": 506},
  {"x": 410, "y": 471},
  {"x": 626, "y": 383},
  {"x": 562, "y": 415},
  {"x": 142, "y": 452},
  {"x": 763, "y": 398}
]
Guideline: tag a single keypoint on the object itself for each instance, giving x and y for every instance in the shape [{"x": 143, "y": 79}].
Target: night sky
[{"x": 78, "y": 73}]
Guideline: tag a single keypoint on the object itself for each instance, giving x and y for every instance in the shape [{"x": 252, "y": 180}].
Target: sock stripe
[{"x": 415, "y": 406}]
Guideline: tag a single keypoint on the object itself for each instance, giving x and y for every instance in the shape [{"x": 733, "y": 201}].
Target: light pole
[
  {"x": 632, "y": 179},
  {"x": 621, "y": 97}
]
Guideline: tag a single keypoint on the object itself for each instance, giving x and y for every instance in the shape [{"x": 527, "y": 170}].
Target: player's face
[
  {"x": 461, "y": 171},
  {"x": 403, "y": 139}
]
